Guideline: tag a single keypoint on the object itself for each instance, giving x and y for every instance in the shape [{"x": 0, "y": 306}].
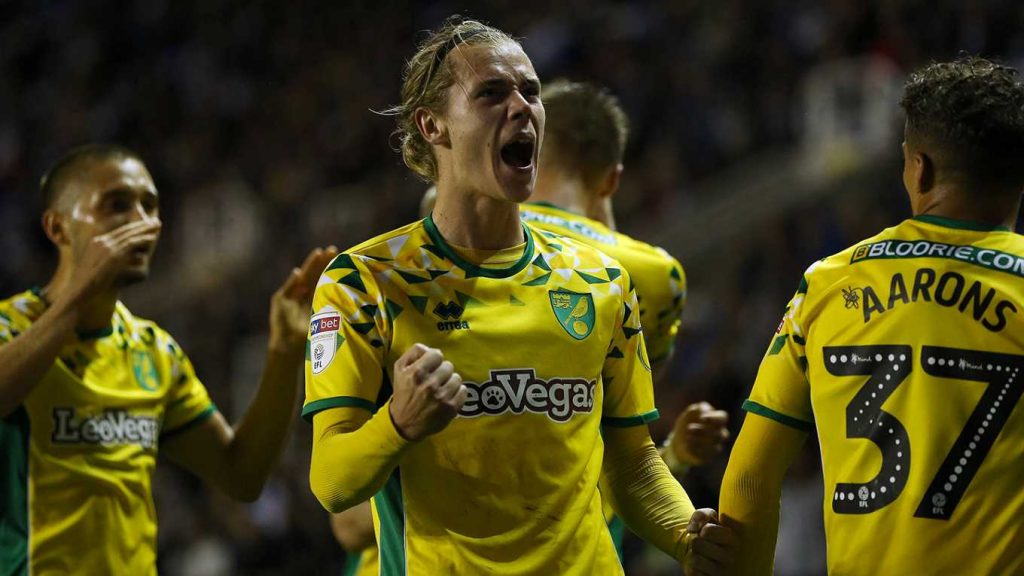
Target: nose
[
  {"x": 519, "y": 107},
  {"x": 140, "y": 213}
]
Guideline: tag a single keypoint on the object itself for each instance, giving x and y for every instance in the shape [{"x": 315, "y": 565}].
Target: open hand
[{"x": 290, "y": 305}]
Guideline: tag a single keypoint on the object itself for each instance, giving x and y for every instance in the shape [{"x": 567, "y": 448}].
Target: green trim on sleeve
[
  {"x": 336, "y": 402},
  {"x": 199, "y": 419},
  {"x": 613, "y": 422},
  {"x": 472, "y": 270},
  {"x": 802, "y": 288},
  {"x": 760, "y": 410}
]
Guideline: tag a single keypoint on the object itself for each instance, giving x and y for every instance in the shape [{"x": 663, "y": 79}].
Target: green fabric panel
[
  {"x": 960, "y": 224},
  {"x": 613, "y": 422},
  {"x": 353, "y": 280},
  {"x": 419, "y": 303},
  {"x": 391, "y": 511},
  {"x": 342, "y": 262},
  {"x": 589, "y": 279},
  {"x": 539, "y": 281},
  {"x": 755, "y": 408},
  {"x": 336, "y": 402},
  {"x": 352, "y": 563},
  {"x": 14, "y": 437},
  {"x": 778, "y": 344},
  {"x": 617, "y": 529}
]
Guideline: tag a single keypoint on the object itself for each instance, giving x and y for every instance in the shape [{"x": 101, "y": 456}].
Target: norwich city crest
[
  {"x": 575, "y": 312},
  {"x": 145, "y": 370}
]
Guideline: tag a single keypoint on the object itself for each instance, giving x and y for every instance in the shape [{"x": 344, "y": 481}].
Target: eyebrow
[{"x": 504, "y": 81}]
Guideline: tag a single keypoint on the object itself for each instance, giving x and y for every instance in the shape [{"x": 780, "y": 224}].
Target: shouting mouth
[{"x": 518, "y": 152}]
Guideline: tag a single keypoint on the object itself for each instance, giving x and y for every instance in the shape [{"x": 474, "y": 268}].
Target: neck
[
  {"x": 95, "y": 313},
  {"x": 477, "y": 222},
  {"x": 566, "y": 192},
  {"x": 947, "y": 202}
]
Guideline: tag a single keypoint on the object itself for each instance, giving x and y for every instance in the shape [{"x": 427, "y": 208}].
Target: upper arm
[
  {"x": 345, "y": 358},
  {"x": 626, "y": 374},
  {"x": 200, "y": 448},
  {"x": 663, "y": 308},
  {"x": 781, "y": 390}
]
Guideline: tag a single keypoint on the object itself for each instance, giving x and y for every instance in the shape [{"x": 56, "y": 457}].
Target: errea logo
[
  {"x": 451, "y": 316},
  {"x": 519, "y": 390}
]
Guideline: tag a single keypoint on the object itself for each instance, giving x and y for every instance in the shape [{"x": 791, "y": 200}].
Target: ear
[
  {"x": 924, "y": 172},
  {"x": 53, "y": 227},
  {"x": 610, "y": 183},
  {"x": 432, "y": 127}
]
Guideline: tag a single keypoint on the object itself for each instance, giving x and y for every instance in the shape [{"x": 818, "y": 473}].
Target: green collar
[
  {"x": 546, "y": 204},
  {"x": 37, "y": 291},
  {"x": 472, "y": 270},
  {"x": 959, "y": 224}
]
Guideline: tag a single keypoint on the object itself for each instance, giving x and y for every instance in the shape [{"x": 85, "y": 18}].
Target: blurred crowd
[{"x": 261, "y": 124}]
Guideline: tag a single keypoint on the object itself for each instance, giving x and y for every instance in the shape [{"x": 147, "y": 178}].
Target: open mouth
[{"x": 518, "y": 153}]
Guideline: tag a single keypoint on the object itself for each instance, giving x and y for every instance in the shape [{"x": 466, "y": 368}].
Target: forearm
[
  {"x": 260, "y": 436},
  {"x": 750, "y": 507},
  {"x": 349, "y": 466},
  {"x": 643, "y": 491},
  {"x": 752, "y": 489},
  {"x": 26, "y": 358}
]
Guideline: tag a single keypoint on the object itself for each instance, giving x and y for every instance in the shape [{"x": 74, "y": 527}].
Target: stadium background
[{"x": 765, "y": 136}]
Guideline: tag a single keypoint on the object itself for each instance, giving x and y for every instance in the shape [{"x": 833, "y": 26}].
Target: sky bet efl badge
[
  {"x": 324, "y": 339},
  {"x": 575, "y": 312}
]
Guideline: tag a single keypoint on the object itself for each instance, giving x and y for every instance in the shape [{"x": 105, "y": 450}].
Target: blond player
[
  {"x": 462, "y": 370},
  {"x": 904, "y": 354}
]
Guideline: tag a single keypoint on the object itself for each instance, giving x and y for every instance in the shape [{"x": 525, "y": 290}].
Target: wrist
[
  {"x": 287, "y": 351},
  {"x": 395, "y": 426},
  {"x": 678, "y": 466}
]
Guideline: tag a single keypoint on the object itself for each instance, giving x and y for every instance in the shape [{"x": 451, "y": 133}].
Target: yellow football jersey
[
  {"x": 904, "y": 352},
  {"x": 659, "y": 278},
  {"x": 79, "y": 453},
  {"x": 547, "y": 339}
]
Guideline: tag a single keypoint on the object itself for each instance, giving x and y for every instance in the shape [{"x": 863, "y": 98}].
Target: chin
[{"x": 132, "y": 276}]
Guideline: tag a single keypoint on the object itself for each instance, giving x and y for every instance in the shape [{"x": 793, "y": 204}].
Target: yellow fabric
[
  {"x": 659, "y": 278},
  {"x": 644, "y": 492},
  {"x": 509, "y": 487},
  {"x": 925, "y": 322},
  {"x": 95, "y": 422},
  {"x": 368, "y": 449}
]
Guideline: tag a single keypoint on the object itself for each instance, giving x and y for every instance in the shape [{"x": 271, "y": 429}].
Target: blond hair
[{"x": 428, "y": 76}]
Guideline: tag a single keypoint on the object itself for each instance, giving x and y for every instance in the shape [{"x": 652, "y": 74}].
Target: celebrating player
[
  {"x": 88, "y": 390},
  {"x": 904, "y": 352},
  {"x": 462, "y": 368},
  {"x": 580, "y": 167}
]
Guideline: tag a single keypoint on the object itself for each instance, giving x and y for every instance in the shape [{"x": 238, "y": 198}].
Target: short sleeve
[
  {"x": 666, "y": 317},
  {"x": 626, "y": 376},
  {"x": 188, "y": 402},
  {"x": 345, "y": 349},
  {"x": 781, "y": 391}
]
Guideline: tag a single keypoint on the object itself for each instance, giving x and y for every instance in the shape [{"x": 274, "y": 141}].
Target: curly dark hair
[{"x": 970, "y": 112}]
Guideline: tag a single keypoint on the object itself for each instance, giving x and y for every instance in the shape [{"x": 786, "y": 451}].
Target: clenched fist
[{"x": 428, "y": 393}]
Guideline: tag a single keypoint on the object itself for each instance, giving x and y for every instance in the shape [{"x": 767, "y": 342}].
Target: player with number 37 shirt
[{"x": 905, "y": 354}]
